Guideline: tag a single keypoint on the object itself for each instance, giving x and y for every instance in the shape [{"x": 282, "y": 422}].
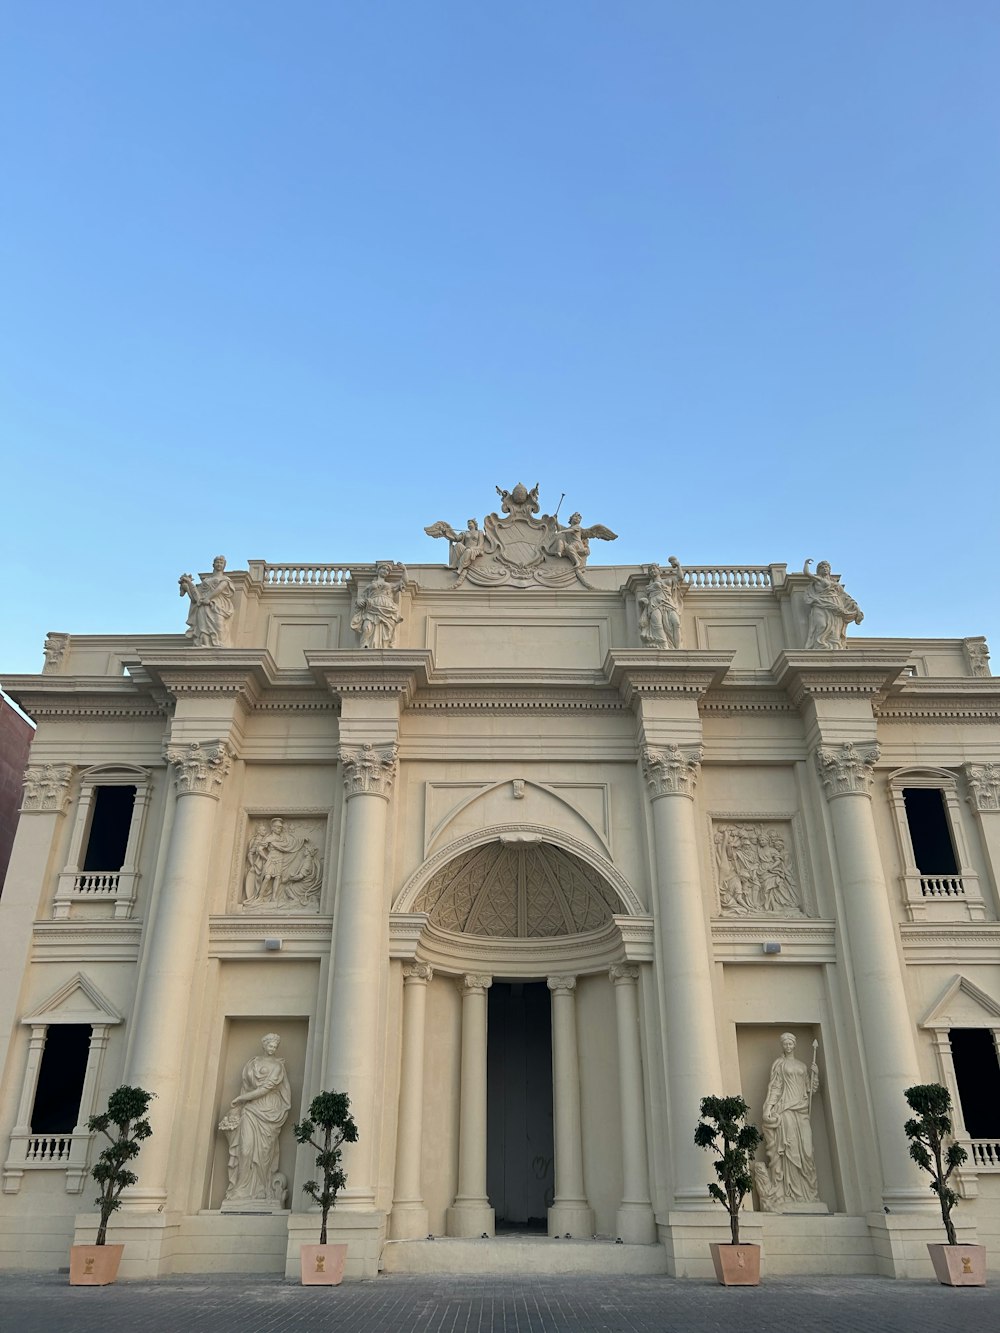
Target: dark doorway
[{"x": 519, "y": 1175}]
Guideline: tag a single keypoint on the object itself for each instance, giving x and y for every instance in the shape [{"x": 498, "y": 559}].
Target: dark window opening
[
  {"x": 519, "y": 1155},
  {"x": 929, "y": 831},
  {"x": 977, "y": 1071},
  {"x": 60, "y": 1078},
  {"x": 109, "y": 826}
]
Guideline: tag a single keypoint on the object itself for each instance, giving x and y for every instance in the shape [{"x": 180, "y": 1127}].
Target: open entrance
[{"x": 519, "y": 1161}]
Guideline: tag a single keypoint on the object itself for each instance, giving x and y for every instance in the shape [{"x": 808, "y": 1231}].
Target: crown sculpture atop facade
[{"x": 520, "y": 551}]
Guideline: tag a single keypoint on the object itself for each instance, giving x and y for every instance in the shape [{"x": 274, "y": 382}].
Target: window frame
[
  {"x": 118, "y": 887},
  {"x": 931, "y": 897}
]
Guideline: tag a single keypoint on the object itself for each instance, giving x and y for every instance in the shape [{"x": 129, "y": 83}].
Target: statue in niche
[
  {"x": 754, "y": 872},
  {"x": 464, "y": 548},
  {"x": 211, "y": 606},
  {"x": 284, "y": 870},
  {"x": 831, "y": 609},
  {"x": 660, "y": 606},
  {"x": 788, "y": 1142},
  {"x": 253, "y": 1125},
  {"x": 377, "y": 614}
]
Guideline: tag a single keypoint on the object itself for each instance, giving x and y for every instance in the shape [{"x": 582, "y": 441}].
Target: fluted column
[
  {"x": 409, "y": 1216},
  {"x": 471, "y": 1214},
  {"x": 158, "y": 1052},
  {"x": 693, "y": 1069},
  {"x": 570, "y": 1211},
  {"x": 636, "y": 1224},
  {"x": 353, "y": 1011},
  {"x": 846, "y": 772}
]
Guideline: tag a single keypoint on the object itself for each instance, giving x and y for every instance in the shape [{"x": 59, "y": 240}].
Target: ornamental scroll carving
[
  {"x": 562, "y": 983},
  {"x": 623, "y": 974},
  {"x": 283, "y": 870},
  {"x": 473, "y": 984},
  {"x": 754, "y": 870},
  {"x": 984, "y": 786},
  {"x": 848, "y": 769},
  {"x": 369, "y": 770},
  {"x": 417, "y": 972},
  {"x": 46, "y": 788},
  {"x": 671, "y": 770},
  {"x": 200, "y": 767},
  {"x": 520, "y": 550}
]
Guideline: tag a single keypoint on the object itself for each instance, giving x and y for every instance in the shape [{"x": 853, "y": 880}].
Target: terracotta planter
[
  {"x": 736, "y": 1265},
  {"x": 959, "y": 1265},
  {"x": 94, "y": 1265},
  {"x": 322, "y": 1265}
]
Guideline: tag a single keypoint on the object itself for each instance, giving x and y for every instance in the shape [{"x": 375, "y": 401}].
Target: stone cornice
[
  {"x": 650, "y": 671},
  {"x": 943, "y": 699},
  {"x": 867, "y": 675},
  {"x": 240, "y": 674},
  {"x": 82, "y": 696},
  {"x": 393, "y": 671},
  {"x": 532, "y": 698},
  {"x": 954, "y": 944}
]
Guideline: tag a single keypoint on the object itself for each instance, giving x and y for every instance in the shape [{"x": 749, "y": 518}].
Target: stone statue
[
  {"x": 284, "y": 870},
  {"x": 787, "y": 1130},
  {"x": 377, "y": 613},
  {"x": 573, "y": 542},
  {"x": 211, "y": 606},
  {"x": 465, "y": 548},
  {"x": 831, "y": 609},
  {"x": 252, "y": 1125},
  {"x": 660, "y": 606}
]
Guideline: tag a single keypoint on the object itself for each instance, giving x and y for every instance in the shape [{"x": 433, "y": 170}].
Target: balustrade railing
[
  {"x": 41, "y": 1149},
  {"x": 942, "y": 886},
  {"x": 97, "y": 883},
  {"x": 728, "y": 576},
  {"x": 298, "y": 575},
  {"x": 984, "y": 1154}
]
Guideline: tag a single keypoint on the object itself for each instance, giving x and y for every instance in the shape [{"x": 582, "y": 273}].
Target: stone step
[{"x": 521, "y": 1254}]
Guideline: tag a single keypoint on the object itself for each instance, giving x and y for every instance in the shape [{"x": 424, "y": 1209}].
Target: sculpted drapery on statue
[
  {"x": 211, "y": 605},
  {"x": 788, "y": 1141},
  {"x": 284, "y": 870},
  {"x": 377, "y": 615},
  {"x": 520, "y": 550},
  {"x": 831, "y": 609},
  {"x": 660, "y": 606},
  {"x": 253, "y": 1125}
]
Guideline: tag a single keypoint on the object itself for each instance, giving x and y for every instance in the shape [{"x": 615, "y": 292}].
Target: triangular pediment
[
  {"x": 76, "y": 1001},
  {"x": 962, "y": 1004}
]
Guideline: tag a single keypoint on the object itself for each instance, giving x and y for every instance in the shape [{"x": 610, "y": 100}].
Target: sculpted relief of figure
[
  {"x": 519, "y": 549},
  {"x": 284, "y": 870},
  {"x": 211, "y": 605},
  {"x": 377, "y": 615},
  {"x": 660, "y": 606},
  {"x": 253, "y": 1125},
  {"x": 831, "y": 609},
  {"x": 754, "y": 871},
  {"x": 788, "y": 1142}
]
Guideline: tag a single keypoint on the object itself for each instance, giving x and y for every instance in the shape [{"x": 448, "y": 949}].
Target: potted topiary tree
[
  {"x": 954, "y": 1265},
  {"x": 323, "y": 1264},
  {"x": 725, "y": 1118},
  {"x": 96, "y": 1265}
]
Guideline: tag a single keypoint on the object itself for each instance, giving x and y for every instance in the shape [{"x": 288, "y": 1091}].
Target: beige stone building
[{"x": 528, "y": 855}]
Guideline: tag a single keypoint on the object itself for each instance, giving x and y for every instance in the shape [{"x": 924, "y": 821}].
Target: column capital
[
  {"x": 199, "y": 767},
  {"x": 671, "y": 770},
  {"x": 46, "y": 788},
  {"x": 623, "y": 974},
  {"x": 369, "y": 770},
  {"x": 847, "y": 769},
  {"x": 562, "y": 983},
  {"x": 474, "y": 984},
  {"x": 414, "y": 973},
  {"x": 984, "y": 787}
]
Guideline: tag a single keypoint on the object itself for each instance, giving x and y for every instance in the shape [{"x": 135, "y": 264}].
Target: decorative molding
[
  {"x": 200, "y": 767},
  {"x": 984, "y": 787},
  {"x": 369, "y": 770},
  {"x": 962, "y": 943},
  {"x": 742, "y": 941},
  {"x": 46, "y": 788},
  {"x": 55, "y": 651},
  {"x": 531, "y": 698},
  {"x": 729, "y": 701},
  {"x": 623, "y": 974},
  {"x": 474, "y": 984},
  {"x": 847, "y": 769},
  {"x": 417, "y": 972},
  {"x": 671, "y": 770},
  {"x": 529, "y": 959},
  {"x": 977, "y": 654},
  {"x": 565, "y": 984}
]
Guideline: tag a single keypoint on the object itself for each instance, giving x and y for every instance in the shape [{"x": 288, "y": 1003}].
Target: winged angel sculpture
[{"x": 519, "y": 549}]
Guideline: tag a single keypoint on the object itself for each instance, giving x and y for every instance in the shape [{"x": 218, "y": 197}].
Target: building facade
[{"x": 527, "y": 855}]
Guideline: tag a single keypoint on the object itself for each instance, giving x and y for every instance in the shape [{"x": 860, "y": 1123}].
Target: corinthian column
[
  {"x": 886, "y": 1030},
  {"x": 157, "y": 1050},
  {"x": 352, "y": 1015},
  {"x": 408, "y": 1220},
  {"x": 636, "y": 1224},
  {"x": 471, "y": 1214},
  {"x": 693, "y": 1069},
  {"x": 570, "y": 1211}
]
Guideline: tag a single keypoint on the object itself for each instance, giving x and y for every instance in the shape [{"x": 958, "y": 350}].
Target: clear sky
[{"x": 292, "y": 280}]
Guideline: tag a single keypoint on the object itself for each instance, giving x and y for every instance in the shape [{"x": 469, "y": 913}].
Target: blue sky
[{"x": 293, "y": 280}]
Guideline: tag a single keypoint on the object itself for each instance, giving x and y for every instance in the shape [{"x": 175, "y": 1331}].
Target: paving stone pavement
[{"x": 45, "y": 1303}]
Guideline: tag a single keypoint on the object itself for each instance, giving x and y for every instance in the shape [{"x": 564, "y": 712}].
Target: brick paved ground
[{"x": 44, "y": 1303}]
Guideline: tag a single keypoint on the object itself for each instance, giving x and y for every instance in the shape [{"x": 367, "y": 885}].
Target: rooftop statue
[
  {"x": 519, "y": 550},
  {"x": 831, "y": 609},
  {"x": 211, "y": 605},
  {"x": 660, "y": 606},
  {"x": 377, "y": 615}
]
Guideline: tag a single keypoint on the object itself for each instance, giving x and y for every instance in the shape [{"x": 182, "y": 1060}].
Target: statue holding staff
[{"x": 788, "y": 1139}]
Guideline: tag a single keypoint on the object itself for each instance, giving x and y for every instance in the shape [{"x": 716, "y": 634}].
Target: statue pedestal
[
  {"x": 816, "y": 1207},
  {"x": 251, "y": 1206}
]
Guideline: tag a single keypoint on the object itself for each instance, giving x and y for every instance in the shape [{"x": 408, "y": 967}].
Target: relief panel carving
[
  {"x": 755, "y": 869},
  {"x": 283, "y": 866}
]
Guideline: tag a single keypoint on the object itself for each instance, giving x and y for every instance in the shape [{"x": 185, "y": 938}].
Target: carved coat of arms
[{"x": 520, "y": 550}]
